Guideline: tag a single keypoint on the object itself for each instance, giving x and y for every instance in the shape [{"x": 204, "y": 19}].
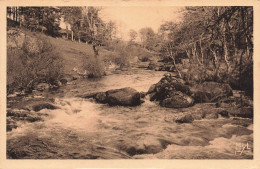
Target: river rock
[
  {"x": 244, "y": 112},
  {"x": 101, "y": 97},
  {"x": 210, "y": 92},
  {"x": 187, "y": 118},
  {"x": 213, "y": 115},
  {"x": 142, "y": 94},
  {"x": 40, "y": 106},
  {"x": 151, "y": 89},
  {"x": 63, "y": 81},
  {"x": 152, "y": 65},
  {"x": 224, "y": 113},
  {"x": 10, "y": 127},
  {"x": 42, "y": 86},
  {"x": 177, "y": 100},
  {"x": 171, "y": 92},
  {"x": 165, "y": 87},
  {"x": 89, "y": 95},
  {"x": 123, "y": 97},
  {"x": 241, "y": 101}
]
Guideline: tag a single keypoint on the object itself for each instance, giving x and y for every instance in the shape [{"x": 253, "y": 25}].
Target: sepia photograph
[{"x": 129, "y": 82}]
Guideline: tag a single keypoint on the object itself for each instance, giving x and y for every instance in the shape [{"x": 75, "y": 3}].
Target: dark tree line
[{"x": 44, "y": 19}]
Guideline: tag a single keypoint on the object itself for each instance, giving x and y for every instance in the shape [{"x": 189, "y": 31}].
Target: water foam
[{"x": 74, "y": 113}]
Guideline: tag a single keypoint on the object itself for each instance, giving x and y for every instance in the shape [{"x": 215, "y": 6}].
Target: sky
[{"x": 131, "y": 17}]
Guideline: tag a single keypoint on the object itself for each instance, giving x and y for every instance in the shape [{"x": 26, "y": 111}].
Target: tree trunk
[
  {"x": 195, "y": 56},
  {"x": 20, "y": 20},
  {"x": 72, "y": 37},
  {"x": 188, "y": 53},
  {"x": 13, "y": 11},
  {"x": 226, "y": 57},
  {"x": 67, "y": 33},
  {"x": 236, "y": 53},
  {"x": 225, "y": 47},
  {"x": 247, "y": 49},
  {"x": 201, "y": 50},
  {"x": 79, "y": 37},
  {"x": 176, "y": 68},
  {"x": 215, "y": 62},
  {"x": 16, "y": 17}
]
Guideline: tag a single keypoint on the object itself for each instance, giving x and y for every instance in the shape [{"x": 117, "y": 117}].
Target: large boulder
[
  {"x": 123, "y": 97},
  {"x": 171, "y": 92},
  {"x": 166, "y": 86},
  {"x": 210, "y": 92}
]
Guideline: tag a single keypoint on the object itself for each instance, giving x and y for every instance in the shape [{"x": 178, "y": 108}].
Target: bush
[
  {"x": 94, "y": 66},
  {"x": 35, "y": 62},
  {"x": 120, "y": 55}
]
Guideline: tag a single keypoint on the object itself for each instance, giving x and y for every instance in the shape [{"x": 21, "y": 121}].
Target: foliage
[
  {"x": 121, "y": 54},
  {"x": 45, "y": 19},
  {"x": 94, "y": 66},
  {"x": 133, "y": 35},
  {"x": 35, "y": 62},
  {"x": 147, "y": 36},
  {"x": 213, "y": 36}
]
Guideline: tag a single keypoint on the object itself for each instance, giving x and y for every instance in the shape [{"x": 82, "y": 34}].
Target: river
[{"x": 83, "y": 129}]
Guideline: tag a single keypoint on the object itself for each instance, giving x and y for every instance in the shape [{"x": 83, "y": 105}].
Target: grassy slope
[{"x": 74, "y": 54}]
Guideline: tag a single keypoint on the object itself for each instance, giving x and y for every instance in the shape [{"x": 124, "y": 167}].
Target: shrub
[
  {"x": 120, "y": 55},
  {"x": 37, "y": 61},
  {"x": 94, "y": 66},
  {"x": 121, "y": 59},
  {"x": 144, "y": 58}
]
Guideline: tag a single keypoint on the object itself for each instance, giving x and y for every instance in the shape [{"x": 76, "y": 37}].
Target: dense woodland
[{"x": 216, "y": 41}]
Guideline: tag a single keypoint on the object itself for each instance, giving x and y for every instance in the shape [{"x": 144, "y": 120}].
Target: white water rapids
[{"x": 83, "y": 129}]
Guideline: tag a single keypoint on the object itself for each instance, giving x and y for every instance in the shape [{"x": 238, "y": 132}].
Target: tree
[
  {"x": 133, "y": 35},
  {"x": 147, "y": 37},
  {"x": 50, "y": 19},
  {"x": 94, "y": 26},
  {"x": 36, "y": 18},
  {"x": 73, "y": 16}
]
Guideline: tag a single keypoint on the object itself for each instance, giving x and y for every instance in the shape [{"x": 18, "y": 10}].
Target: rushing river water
[{"x": 83, "y": 129}]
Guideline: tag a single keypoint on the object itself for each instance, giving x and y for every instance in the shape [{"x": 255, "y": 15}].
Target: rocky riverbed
[{"x": 65, "y": 124}]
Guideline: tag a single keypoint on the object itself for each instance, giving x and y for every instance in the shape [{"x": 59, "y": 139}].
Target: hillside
[{"x": 73, "y": 54}]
